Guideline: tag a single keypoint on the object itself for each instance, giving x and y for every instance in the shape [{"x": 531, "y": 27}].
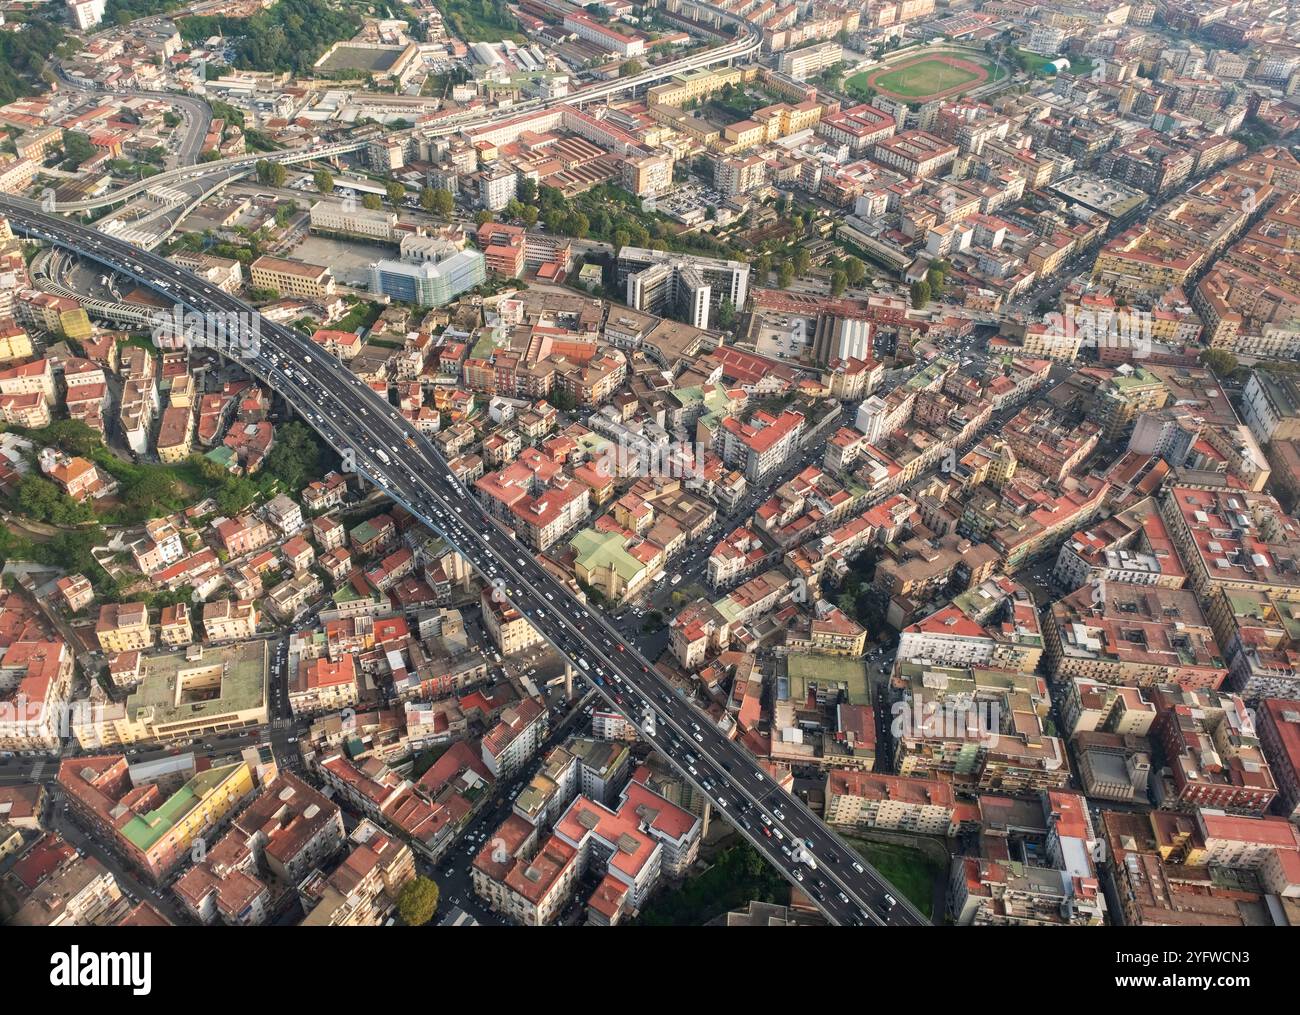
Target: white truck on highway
[{"x": 383, "y": 456}]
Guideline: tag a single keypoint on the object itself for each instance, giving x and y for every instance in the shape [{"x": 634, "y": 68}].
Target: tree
[
  {"x": 426, "y": 198},
  {"x": 236, "y": 495},
  {"x": 295, "y": 458},
  {"x": 276, "y": 175},
  {"x": 920, "y": 294},
  {"x": 395, "y": 191},
  {"x": 77, "y": 146},
  {"x": 373, "y": 202},
  {"x": 854, "y": 270},
  {"x": 527, "y": 191},
  {"x": 74, "y": 437},
  {"x": 1220, "y": 361},
  {"x": 324, "y": 180},
  {"x": 839, "y": 282},
  {"x": 630, "y": 67},
  {"x": 38, "y": 498},
  {"x": 418, "y": 901},
  {"x": 482, "y": 217},
  {"x": 785, "y": 277},
  {"x": 577, "y": 225},
  {"x": 529, "y": 216},
  {"x": 802, "y": 261},
  {"x": 148, "y": 490},
  {"x": 562, "y": 400},
  {"x": 726, "y": 314},
  {"x": 443, "y": 203}
]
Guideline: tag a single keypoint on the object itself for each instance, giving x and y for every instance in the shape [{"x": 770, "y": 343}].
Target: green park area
[{"x": 909, "y": 870}]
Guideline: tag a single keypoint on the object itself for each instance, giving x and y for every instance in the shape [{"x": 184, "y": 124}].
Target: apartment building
[
  {"x": 1123, "y": 397},
  {"x": 364, "y": 889},
  {"x": 809, "y": 61},
  {"x": 509, "y": 629},
  {"x": 994, "y": 623},
  {"x": 74, "y": 891},
  {"x": 1094, "y": 707},
  {"x": 243, "y": 535},
  {"x": 857, "y": 799},
  {"x": 1278, "y": 724},
  {"x": 1144, "y": 263},
  {"x": 35, "y": 684},
  {"x": 123, "y": 627},
  {"x": 523, "y": 879},
  {"x": 77, "y": 592},
  {"x": 1119, "y": 633},
  {"x": 152, "y": 829},
  {"x": 915, "y": 153},
  {"x": 174, "y": 627},
  {"x": 684, "y": 286},
  {"x": 632, "y": 845},
  {"x": 160, "y": 546},
  {"x": 1212, "y": 751},
  {"x": 515, "y": 738},
  {"x": 739, "y": 174},
  {"x": 957, "y": 722},
  {"x": 1260, "y": 635},
  {"x": 283, "y": 512},
  {"x": 648, "y": 175},
  {"x": 764, "y": 444},
  {"x": 1270, "y": 406},
  {"x": 1233, "y": 539},
  {"x": 321, "y": 685},
  {"x": 497, "y": 187},
  {"x": 230, "y": 620}
]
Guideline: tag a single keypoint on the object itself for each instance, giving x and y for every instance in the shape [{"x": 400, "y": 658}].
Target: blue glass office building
[{"x": 429, "y": 284}]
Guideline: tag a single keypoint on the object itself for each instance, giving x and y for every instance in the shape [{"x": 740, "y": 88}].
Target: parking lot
[
  {"x": 349, "y": 259},
  {"x": 783, "y": 338}
]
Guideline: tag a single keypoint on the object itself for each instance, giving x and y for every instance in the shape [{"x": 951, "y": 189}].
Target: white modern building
[{"x": 689, "y": 288}]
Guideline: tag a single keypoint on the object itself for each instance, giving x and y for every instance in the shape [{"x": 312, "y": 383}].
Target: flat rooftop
[{"x": 223, "y": 680}]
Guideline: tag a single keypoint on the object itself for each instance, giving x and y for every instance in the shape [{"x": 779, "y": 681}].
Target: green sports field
[{"x": 925, "y": 76}]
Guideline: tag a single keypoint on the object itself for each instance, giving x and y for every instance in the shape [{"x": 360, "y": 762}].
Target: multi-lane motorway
[{"x": 371, "y": 435}]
